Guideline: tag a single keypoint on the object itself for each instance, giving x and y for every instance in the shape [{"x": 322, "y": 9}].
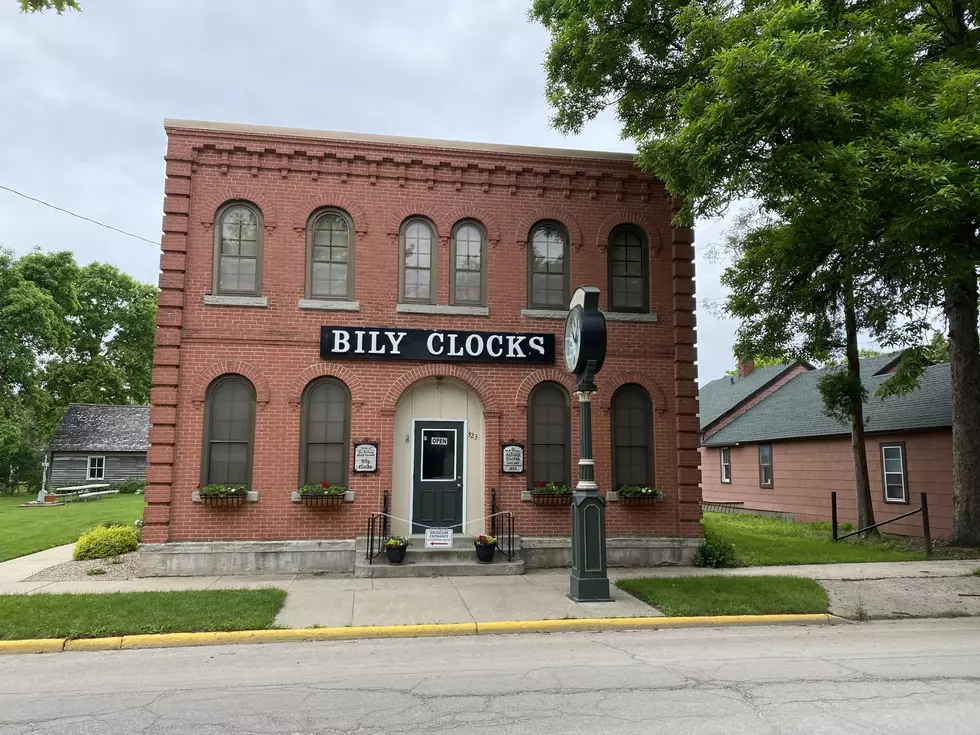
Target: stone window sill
[
  {"x": 629, "y": 316},
  {"x": 348, "y": 497},
  {"x": 443, "y": 309},
  {"x": 323, "y": 305},
  {"x": 219, "y": 300},
  {"x": 251, "y": 497},
  {"x": 544, "y": 314}
]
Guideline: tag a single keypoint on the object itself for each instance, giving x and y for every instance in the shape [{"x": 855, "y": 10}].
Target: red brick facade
[{"x": 378, "y": 183}]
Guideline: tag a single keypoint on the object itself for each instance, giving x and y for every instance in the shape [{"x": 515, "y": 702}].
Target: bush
[
  {"x": 103, "y": 542},
  {"x": 716, "y": 552},
  {"x": 132, "y": 486}
]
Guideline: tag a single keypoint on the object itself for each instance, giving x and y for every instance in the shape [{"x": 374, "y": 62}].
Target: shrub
[
  {"x": 716, "y": 552},
  {"x": 102, "y": 542},
  {"x": 132, "y": 486}
]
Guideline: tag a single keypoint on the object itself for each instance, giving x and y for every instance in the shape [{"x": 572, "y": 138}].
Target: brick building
[{"x": 274, "y": 238}]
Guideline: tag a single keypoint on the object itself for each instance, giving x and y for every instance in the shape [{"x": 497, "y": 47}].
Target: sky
[{"x": 83, "y": 97}]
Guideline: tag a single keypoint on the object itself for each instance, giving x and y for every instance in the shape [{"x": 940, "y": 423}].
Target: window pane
[
  {"x": 239, "y": 247},
  {"x": 438, "y": 454},
  {"x": 632, "y": 438},
  {"x": 326, "y": 431},
  {"x": 548, "y": 435},
  {"x": 894, "y": 490}
]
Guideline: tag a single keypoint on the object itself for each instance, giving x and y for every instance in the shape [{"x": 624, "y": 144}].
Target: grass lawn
[
  {"x": 128, "y": 613},
  {"x": 767, "y": 541},
  {"x": 26, "y": 530},
  {"x": 686, "y": 596}
]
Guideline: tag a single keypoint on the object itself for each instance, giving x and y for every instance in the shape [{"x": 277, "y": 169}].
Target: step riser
[
  {"x": 461, "y": 544},
  {"x": 384, "y": 570}
]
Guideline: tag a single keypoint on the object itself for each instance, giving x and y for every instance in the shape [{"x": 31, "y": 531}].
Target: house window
[
  {"x": 894, "y": 476},
  {"x": 96, "y": 468},
  {"x": 765, "y": 465},
  {"x": 238, "y": 250},
  {"x": 330, "y": 256},
  {"x": 632, "y": 437},
  {"x": 548, "y": 267},
  {"x": 325, "y": 433},
  {"x": 229, "y": 431},
  {"x": 549, "y": 429},
  {"x": 418, "y": 257},
  {"x": 468, "y": 265},
  {"x": 726, "y": 464},
  {"x": 629, "y": 288}
]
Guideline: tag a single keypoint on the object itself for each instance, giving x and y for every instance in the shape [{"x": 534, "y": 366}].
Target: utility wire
[{"x": 87, "y": 219}]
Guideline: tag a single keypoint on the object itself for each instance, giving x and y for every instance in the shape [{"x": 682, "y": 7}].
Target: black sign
[{"x": 450, "y": 345}]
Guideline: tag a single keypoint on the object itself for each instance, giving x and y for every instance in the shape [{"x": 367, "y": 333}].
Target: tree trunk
[
  {"x": 865, "y": 510},
  {"x": 964, "y": 363}
]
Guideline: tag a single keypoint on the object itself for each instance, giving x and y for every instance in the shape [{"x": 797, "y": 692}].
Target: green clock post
[{"x": 585, "y": 351}]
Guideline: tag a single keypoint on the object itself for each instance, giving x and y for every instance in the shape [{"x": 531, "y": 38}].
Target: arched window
[
  {"x": 629, "y": 270},
  {"x": 229, "y": 431},
  {"x": 468, "y": 277},
  {"x": 324, "y": 433},
  {"x": 330, "y": 256},
  {"x": 632, "y": 437},
  {"x": 238, "y": 250},
  {"x": 418, "y": 258},
  {"x": 549, "y": 434},
  {"x": 547, "y": 270}
]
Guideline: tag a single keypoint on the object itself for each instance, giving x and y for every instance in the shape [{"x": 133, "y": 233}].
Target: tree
[
  {"x": 855, "y": 125},
  {"x": 59, "y": 6}
]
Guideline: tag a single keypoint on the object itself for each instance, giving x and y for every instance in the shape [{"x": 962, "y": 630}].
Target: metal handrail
[
  {"x": 378, "y": 522},
  {"x": 923, "y": 509},
  {"x": 508, "y": 521}
]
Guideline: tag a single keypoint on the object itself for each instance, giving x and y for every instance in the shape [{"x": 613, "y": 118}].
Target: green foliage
[
  {"x": 639, "y": 491},
  {"x": 322, "y": 489},
  {"x": 761, "y": 362},
  {"x": 130, "y": 613},
  {"x": 715, "y": 552},
  {"x": 216, "y": 490},
  {"x": 59, "y": 6},
  {"x": 397, "y": 541},
  {"x": 132, "y": 486},
  {"x": 840, "y": 391},
  {"x": 551, "y": 488},
  {"x": 102, "y": 542},
  {"x": 685, "y": 596}
]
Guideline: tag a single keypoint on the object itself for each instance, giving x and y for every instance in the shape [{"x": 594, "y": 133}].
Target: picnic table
[{"x": 84, "y": 492}]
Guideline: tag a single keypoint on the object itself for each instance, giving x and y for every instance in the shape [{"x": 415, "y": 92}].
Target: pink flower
[
  {"x": 540, "y": 484},
  {"x": 323, "y": 484}
]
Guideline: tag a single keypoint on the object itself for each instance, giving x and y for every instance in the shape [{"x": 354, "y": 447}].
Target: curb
[{"x": 292, "y": 635}]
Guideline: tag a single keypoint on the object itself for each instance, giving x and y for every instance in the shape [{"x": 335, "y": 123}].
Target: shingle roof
[
  {"x": 796, "y": 410},
  {"x": 98, "y": 428},
  {"x": 720, "y": 396}
]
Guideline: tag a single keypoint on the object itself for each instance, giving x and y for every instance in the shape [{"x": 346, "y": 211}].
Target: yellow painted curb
[
  {"x": 94, "y": 644},
  {"x": 39, "y": 645},
  {"x": 178, "y": 640}
]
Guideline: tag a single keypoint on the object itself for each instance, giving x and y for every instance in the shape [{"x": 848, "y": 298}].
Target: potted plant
[
  {"x": 631, "y": 495},
  {"x": 395, "y": 548},
  {"x": 551, "y": 493},
  {"x": 222, "y": 496},
  {"x": 322, "y": 494},
  {"x": 485, "y": 546}
]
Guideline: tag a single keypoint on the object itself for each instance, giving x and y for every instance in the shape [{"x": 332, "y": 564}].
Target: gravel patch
[{"x": 73, "y": 571}]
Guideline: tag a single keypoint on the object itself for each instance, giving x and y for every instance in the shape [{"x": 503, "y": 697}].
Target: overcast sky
[{"x": 84, "y": 97}]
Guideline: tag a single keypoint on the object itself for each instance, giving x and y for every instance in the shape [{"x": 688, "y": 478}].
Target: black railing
[
  {"x": 923, "y": 509},
  {"x": 501, "y": 526},
  {"x": 378, "y": 530}
]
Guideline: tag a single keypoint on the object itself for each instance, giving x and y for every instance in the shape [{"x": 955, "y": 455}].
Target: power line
[{"x": 73, "y": 214}]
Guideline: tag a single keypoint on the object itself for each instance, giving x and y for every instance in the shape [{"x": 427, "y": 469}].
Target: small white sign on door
[
  {"x": 438, "y": 538},
  {"x": 442, "y": 440}
]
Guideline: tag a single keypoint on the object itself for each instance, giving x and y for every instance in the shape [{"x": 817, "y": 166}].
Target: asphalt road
[{"x": 894, "y": 677}]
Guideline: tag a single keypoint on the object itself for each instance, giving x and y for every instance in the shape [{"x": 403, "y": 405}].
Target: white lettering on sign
[
  {"x": 438, "y": 538},
  {"x": 436, "y": 344},
  {"x": 442, "y": 440}
]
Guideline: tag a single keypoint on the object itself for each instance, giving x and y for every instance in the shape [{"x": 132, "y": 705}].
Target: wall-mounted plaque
[
  {"x": 366, "y": 457},
  {"x": 512, "y": 458}
]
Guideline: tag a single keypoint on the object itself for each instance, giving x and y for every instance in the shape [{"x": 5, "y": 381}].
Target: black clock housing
[{"x": 592, "y": 338}]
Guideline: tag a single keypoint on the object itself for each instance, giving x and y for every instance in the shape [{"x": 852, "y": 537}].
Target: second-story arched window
[
  {"x": 418, "y": 262},
  {"x": 330, "y": 256},
  {"x": 238, "y": 250},
  {"x": 547, "y": 271},
  {"x": 629, "y": 270},
  {"x": 468, "y": 279}
]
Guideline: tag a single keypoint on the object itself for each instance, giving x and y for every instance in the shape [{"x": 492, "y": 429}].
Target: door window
[{"x": 438, "y": 454}]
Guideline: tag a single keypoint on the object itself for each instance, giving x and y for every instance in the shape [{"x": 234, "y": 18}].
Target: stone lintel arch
[
  {"x": 396, "y": 217},
  {"x": 473, "y": 381},
  {"x": 228, "y": 367},
  {"x": 636, "y": 219},
  {"x": 323, "y": 370},
  {"x": 609, "y": 384},
  {"x": 544, "y": 375},
  {"x": 304, "y": 210},
  {"x": 251, "y": 194},
  {"x": 480, "y": 215},
  {"x": 562, "y": 216}
]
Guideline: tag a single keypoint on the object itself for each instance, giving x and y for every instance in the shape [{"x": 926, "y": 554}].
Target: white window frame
[
  {"x": 726, "y": 466},
  {"x": 772, "y": 478},
  {"x": 88, "y": 467},
  {"x": 903, "y": 473}
]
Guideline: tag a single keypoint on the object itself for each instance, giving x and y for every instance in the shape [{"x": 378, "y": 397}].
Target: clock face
[{"x": 573, "y": 338}]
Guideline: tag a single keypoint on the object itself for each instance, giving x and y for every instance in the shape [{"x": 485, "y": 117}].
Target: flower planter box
[
  {"x": 225, "y": 501},
  {"x": 639, "y": 500},
  {"x": 551, "y": 499},
  {"x": 323, "y": 500}
]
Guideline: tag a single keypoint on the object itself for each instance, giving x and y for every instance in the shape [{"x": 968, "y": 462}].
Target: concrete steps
[{"x": 459, "y": 561}]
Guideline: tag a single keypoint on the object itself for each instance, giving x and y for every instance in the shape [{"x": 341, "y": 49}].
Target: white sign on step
[{"x": 438, "y": 538}]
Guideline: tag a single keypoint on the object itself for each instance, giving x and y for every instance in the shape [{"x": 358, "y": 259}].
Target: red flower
[
  {"x": 323, "y": 484},
  {"x": 540, "y": 484},
  {"x": 198, "y": 486}
]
